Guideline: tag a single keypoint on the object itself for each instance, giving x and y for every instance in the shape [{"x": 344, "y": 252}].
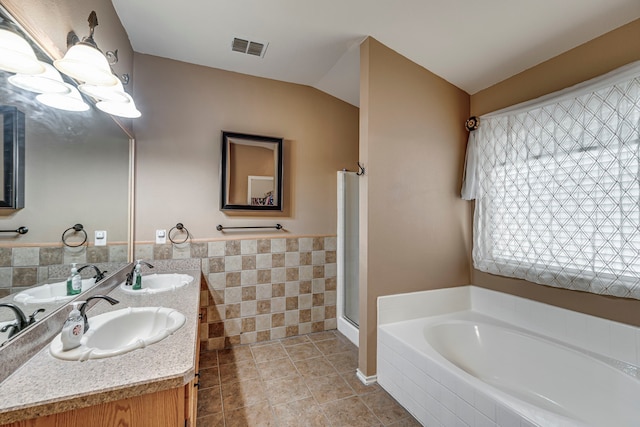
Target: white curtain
[{"x": 557, "y": 187}]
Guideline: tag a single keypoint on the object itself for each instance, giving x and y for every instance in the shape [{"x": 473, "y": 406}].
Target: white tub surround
[{"x": 475, "y": 357}]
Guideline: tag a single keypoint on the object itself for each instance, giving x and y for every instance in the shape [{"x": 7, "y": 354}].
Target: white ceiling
[{"x": 472, "y": 44}]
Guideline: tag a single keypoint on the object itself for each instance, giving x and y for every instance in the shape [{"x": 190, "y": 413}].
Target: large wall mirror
[
  {"x": 76, "y": 170},
  {"x": 251, "y": 172}
]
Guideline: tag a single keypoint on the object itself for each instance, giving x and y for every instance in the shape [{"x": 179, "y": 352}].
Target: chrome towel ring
[
  {"x": 76, "y": 229},
  {"x": 181, "y": 228}
]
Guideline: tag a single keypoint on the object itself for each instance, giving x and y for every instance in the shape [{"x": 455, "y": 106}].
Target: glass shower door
[{"x": 351, "y": 247}]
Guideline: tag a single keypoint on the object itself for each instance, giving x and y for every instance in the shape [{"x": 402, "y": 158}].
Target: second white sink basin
[
  {"x": 156, "y": 283},
  {"x": 50, "y": 293},
  {"x": 121, "y": 331}
]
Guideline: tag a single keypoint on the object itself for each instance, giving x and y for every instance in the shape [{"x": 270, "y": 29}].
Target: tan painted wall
[
  {"x": 591, "y": 59},
  {"x": 414, "y": 228},
  {"x": 185, "y": 108}
]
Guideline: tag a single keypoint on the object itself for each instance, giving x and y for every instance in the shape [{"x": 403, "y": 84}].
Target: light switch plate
[
  {"x": 161, "y": 237},
  {"x": 100, "y": 238}
]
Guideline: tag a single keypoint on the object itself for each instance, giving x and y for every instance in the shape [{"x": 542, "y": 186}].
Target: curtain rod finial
[{"x": 472, "y": 123}]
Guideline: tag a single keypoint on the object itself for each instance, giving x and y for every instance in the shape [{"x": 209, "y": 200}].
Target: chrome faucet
[
  {"x": 99, "y": 274},
  {"x": 21, "y": 320},
  {"x": 129, "y": 281},
  {"x": 83, "y": 307}
]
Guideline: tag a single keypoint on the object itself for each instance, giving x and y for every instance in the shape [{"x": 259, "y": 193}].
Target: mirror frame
[
  {"x": 13, "y": 136},
  {"x": 224, "y": 172}
]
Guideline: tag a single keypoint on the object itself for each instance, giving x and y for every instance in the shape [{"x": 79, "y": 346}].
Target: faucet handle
[{"x": 32, "y": 318}]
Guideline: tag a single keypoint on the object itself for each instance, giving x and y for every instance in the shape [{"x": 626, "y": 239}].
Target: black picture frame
[{"x": 229, "y": 174}]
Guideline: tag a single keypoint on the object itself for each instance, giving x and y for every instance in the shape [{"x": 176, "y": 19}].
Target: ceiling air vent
[{"x": 249, "y": 47}]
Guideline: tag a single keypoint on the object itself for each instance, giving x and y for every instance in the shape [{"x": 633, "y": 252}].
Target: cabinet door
[{"x": 191, "y": 393}]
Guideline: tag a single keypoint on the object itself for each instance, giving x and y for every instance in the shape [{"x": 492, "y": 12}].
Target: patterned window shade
[{"x": 557, "y": 187}]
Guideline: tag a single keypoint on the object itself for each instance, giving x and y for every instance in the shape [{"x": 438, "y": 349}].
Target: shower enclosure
[{"x": 347, "y": 255}]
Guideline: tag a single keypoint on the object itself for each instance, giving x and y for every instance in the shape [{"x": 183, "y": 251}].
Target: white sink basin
[
  {"x": 121, "y": 331},
  {"x": 50, "y": 293},
  {"x": 156, "y": 283}
]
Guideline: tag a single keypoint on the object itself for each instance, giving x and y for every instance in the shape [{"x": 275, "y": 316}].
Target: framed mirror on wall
[
  {"x": 251, "y": 172},
  {"x": 12, "y": 158}
]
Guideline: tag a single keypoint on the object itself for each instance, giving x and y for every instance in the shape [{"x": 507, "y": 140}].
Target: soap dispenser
[
  {"x": 73, "y": 328},
  {"x": 137, "y": 277},
  {"x": 74, "y": 282}
]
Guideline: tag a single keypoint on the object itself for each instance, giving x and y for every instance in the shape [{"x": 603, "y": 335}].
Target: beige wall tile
[
  {"x": 249, "y": 277},
  {"x": 233, "y": 295},
  {"x": 278, "y": 304},
  {"x": 248, "y": 293},
  {"x": 306, "y": 272},
  {"x": 232, "y": 327},
  {"x": 318, "y": 285},
  {"x": 216, "y": 248},
  {"x": 277, "y": 320},
  {"x": 292, "y": 259},
  {"x": 318, "y": 257},
  {"x": 233, "y": 279},
  {"x": 317, "y": 314},
  {"x": 263, "y": 306},
  {"x": 217, "y": 280},
  {"x": 248, "y": 247},
  {"x": 278, "y": 245},
  {"x": 278, "y": 333},
  {"x": 248, "y": 262},
  {"x": 277, "y": 260},
  {"x": 264, "y": 246},
  {"x": 263, "y": 260},
  {"x": 248, "y": 308},
  {"x": 292, "y": 274},
  {"x": 248, "y": 337},
  {"x": 263, "y": 291},
  {"x": 264, "y": 276},
  {"x": 233, "y": 262},
  {"x": 278, "y": 275},
  {"x": 278, "y": 290},
  {"x": 232, "y": 247},
  {"x": 292, "y": 245},
  {"x": 291, "y": 317},
  {"x": 330, "y": 243},
  {"x": 305, "y": 301},
  {"x": 292, "y": 289},
  {"x": 263, "y": 322}
]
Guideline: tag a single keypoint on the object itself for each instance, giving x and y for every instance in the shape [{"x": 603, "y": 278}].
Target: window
[{"x": 557, "y": 188}]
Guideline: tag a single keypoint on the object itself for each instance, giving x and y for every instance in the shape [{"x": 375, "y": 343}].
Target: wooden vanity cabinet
[
  {"x": 163, "y": 408},
  {"x": 191, "y": 393},
  {"x": 176, "y": 407}
]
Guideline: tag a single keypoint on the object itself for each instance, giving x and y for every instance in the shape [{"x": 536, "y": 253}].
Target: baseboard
[{"x": 372, "y": 379}]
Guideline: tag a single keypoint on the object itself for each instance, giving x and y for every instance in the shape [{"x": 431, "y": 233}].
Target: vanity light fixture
[
  {"x": 16, "y": 56},
  {"x": 105, "y": 93},
  {"x": 70, "y": 102},
  {"x": 120, "y": 109},
  {"x": 48, "y": 82},
  {"x": 85, "y": 62}
]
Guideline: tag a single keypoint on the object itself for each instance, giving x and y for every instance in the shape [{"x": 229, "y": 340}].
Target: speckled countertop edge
[{"x": 45, "y": 385}]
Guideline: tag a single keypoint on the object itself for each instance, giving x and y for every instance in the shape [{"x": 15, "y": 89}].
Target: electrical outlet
[
  {"x": 100, "y": 238},
  {"x": 161, "y": 237}
]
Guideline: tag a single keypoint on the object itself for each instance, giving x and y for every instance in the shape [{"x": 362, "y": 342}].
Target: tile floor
[{"x": 302, "y": 381}]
